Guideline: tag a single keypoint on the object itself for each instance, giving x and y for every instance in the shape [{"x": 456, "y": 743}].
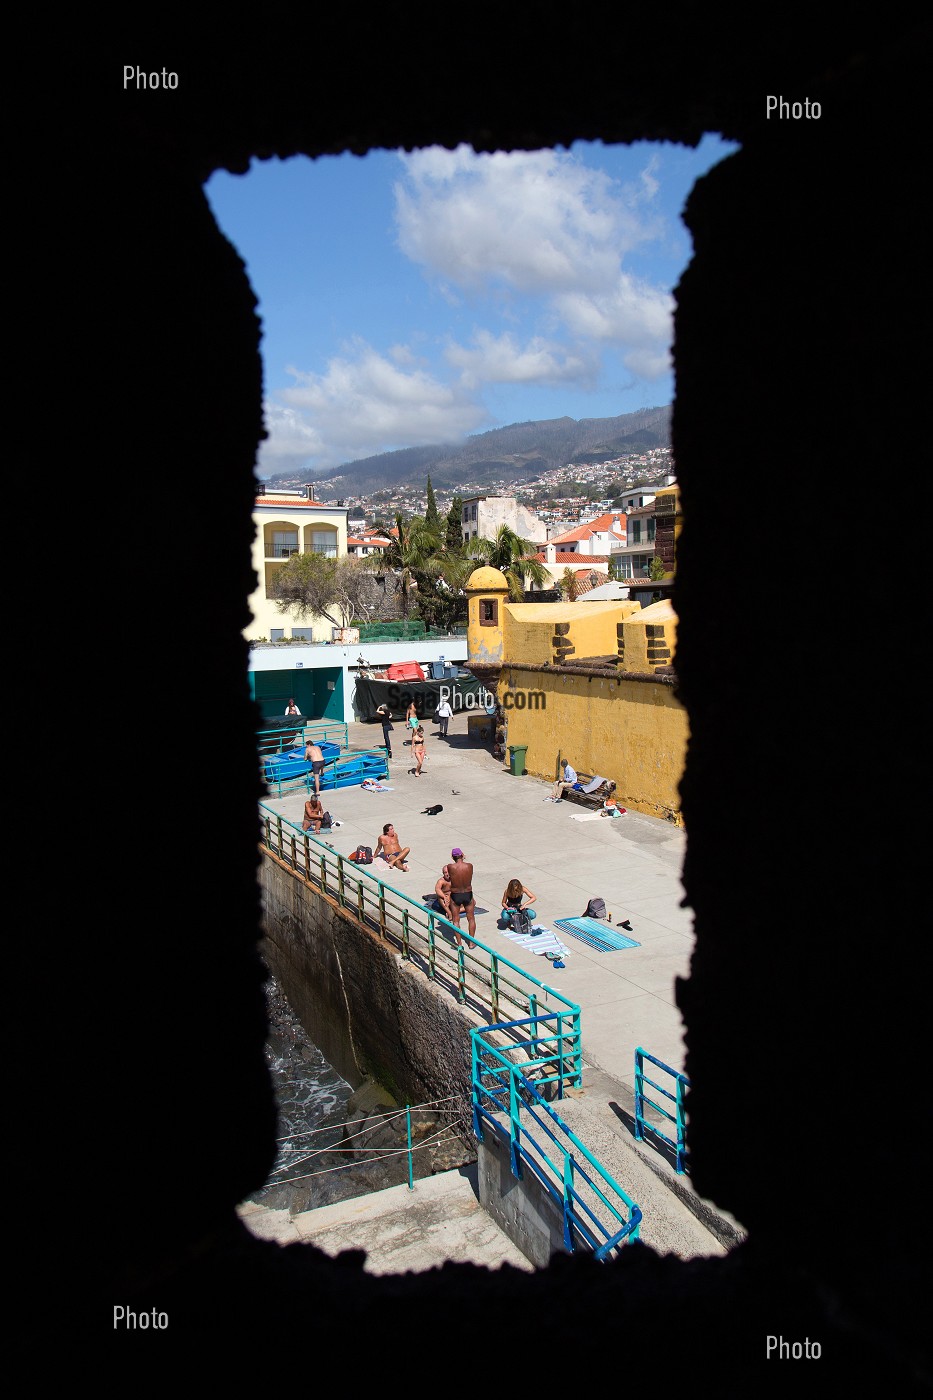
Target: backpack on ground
[
  {"x": 327, "y": 822},
  {"x": 519, "y": 921},
  {"x": 596, "y": 909},
  {"x": 363, "y": 855}
]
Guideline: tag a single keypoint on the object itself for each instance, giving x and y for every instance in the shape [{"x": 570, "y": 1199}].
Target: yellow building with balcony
[{"x": 287, "y": 523}]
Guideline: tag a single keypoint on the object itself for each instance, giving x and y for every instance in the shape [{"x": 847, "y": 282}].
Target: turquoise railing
[
  {"x": 479, "y": 977},
  {"x": 598, "y": 1215},
  {"x": 347, "y": 769},
  {"x": 678, "y": 1117},
  {"x": 273, "y": 741}
]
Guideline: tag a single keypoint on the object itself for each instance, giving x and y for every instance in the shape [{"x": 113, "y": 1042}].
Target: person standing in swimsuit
[
  {"x": 417, "y": 750},
  {"x": 461, "y": 893},
  {"x": 315, "y": 757}
]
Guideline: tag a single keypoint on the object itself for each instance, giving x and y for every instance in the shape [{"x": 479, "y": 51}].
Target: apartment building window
[
  {"x": 634, "y": 532},
  {"x": 276, "y": 634},
  {"x": 302, "y": 633},
  {"x": 652, "y": 526},
  {"x": 324, "y": 542},
  {"x": 284, "y": 543}
]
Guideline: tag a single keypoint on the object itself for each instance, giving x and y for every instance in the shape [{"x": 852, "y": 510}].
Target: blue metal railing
[
  {"x": 346, "y": 769},
  {"x": 273, "y": 741},
  {"x": 597, "y": 1214},
  {"x": 678, "y": 1117}
]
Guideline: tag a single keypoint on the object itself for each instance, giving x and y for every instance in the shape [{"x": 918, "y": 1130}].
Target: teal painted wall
[{"x": 271, "y": 689}]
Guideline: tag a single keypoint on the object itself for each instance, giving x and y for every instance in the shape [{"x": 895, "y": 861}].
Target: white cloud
[
  {"x": 500, "y": 360},
  {"x": 368, "y": 403},
  {"x": 537, "y": 222}
]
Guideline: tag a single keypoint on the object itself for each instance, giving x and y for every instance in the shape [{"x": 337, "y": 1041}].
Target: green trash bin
[{"x": 517, "y": 759}]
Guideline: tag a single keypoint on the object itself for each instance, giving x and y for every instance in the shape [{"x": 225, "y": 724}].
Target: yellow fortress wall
[
  {"x": 555, "y": 632},
  {"x": 565, "y": 694}
]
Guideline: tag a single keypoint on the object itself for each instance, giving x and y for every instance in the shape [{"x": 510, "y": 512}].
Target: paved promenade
[{"x": 506, "y": 829}]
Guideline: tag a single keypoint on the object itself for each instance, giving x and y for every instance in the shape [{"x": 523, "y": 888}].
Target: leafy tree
[
  {"x": 454, "y": 529},
  {"x": 431, "y": 517},
  {"x": 512, "y": 556},
  {"x": 656, "y": 569},
  {"x": 570, "y": 586},
  {"x": 615, "y": 568},
  {"x": 313, "y": 585}
]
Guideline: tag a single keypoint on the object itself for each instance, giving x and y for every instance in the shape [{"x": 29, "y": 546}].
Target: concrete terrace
[{"x": 506, "y": 829}]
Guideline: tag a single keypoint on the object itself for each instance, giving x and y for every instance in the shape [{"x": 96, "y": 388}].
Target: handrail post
[
  {"x": 639, "y": 1093},
  {"x": 432, "y": 948},
  {"x": 341, "y": 892},
  {"x": 307, "y": 858},
  {"x": 411, "y": 1183},
  {"x": 515, "y": 1130},
  {"x": 382, "y": 909},
  {"x": 681, "y": 1126},
  {"x": 323, "y": 864},
  {"x": 461, "y": 973},
  {"x": 406, "y": 948},
  {"x": 568, "y": 1199},
  {"x": 533, "y": 1011},
  {"x": 494, "y": 986}
]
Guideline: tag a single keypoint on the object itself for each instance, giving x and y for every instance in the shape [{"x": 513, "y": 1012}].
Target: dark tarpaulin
[
  {"x": 282, "y": 722},
  {"x": 398, "y": 695}
]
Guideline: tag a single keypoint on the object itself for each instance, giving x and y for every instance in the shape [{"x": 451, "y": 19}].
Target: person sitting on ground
[
  {"x": 390, "y": 849},
  {"x": 442, "y": 902},
  {"x": 315, "y": 757},
  {"x": 291, "y": 708},
  {"x": 514, "y": 896},
  {"x": 314, "y": 814},
  {"x": 461, "y": 893},
  {"x": 564, "y": 783},
  {"x": 417, "y": 750}
]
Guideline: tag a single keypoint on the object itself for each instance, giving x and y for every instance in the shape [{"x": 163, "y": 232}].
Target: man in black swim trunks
[
  {"x": 315, "y": 757},
  {"x": 461, "y": 893}
]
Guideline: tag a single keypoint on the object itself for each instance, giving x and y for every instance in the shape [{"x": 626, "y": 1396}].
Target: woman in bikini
[{"x": 417, "y": 750}]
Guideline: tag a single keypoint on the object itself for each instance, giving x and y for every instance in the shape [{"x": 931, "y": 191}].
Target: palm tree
[
  {"x": 513, "y": 557},
  {"x": 413, "y": 548}
]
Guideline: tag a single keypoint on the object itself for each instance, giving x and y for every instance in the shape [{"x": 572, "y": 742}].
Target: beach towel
[
  {"x": 596, "y": 935},
  {"x": 542, "y": 941},
  {"x": 593, "y": 784},
  {"x": 371, "y": 785}
]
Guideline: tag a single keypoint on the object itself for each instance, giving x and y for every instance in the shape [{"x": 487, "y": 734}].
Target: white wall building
[{"x": 482, "y": 515}]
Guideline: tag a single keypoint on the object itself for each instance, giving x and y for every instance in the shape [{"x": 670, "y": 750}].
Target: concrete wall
[
  {"x": 520, "y": 1206},
  {"x": 370, "y": 1012},
  {"x": 636, "y": 734}
]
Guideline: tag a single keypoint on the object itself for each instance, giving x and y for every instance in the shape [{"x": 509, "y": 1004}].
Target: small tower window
[{"x": 488, "y": 614}]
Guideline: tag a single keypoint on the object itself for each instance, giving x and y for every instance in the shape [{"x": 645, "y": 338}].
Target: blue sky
[{"x": 409, "y": 299}]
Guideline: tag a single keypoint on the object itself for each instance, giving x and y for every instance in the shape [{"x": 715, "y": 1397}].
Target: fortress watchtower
[{"x": 487, "y": 593}]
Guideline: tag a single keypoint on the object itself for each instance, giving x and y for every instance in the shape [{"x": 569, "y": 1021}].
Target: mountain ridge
[{"x": 517, "y": 452}]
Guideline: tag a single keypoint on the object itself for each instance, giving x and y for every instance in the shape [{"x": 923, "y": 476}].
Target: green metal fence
[
  {"x": 273, "y": 741},
  {"x": 493, "y": 987}
]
